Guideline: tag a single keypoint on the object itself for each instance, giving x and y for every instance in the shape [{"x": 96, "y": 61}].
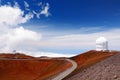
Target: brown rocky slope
[{"x": 107, "y": 69}]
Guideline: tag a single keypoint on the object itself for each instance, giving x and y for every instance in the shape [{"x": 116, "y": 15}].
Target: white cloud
[
  {"x": 15, "y": 37},
  {"x": 82, "y": 41},
  {"x": 26, "y": 4},
  {"x": 12, "y": 35},
  {"x": 18, "y": 37},
  {"x": 48, "y": 54},
  {"x": 45, "y": 10},
  {"x": 37, "y": 14},
  {"x": 13, "y": 16}
]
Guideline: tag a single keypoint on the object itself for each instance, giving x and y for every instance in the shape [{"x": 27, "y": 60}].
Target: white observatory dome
[{"x": 101, "y": 44}]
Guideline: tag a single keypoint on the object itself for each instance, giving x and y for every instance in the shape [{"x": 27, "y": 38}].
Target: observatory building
[{"x": 101, "y": 44}]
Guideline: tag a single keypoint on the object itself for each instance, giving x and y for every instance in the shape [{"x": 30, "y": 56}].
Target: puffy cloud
[
  {"x": 18, "y": 37},
  {"x": 13, "y": 15},
  {"x": 12, "y": 35}
]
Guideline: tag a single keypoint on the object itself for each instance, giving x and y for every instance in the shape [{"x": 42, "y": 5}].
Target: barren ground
[
  {"x": 107, "y": 69},
  {"x": 22, "y": 67}
]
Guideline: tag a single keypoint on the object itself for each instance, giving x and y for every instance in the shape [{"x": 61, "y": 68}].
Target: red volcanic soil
[
  {"x": 29, "y": 68},
  {"x": 88, "y": 59}
]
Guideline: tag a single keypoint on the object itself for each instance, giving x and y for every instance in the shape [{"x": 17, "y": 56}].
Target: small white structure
[{"x": 101, "y": 44}]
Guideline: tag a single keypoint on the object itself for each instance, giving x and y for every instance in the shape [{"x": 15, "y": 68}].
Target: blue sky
[
  {"x": 69, "y": 26},
  {"x": 84, "y": 13},
  {"x": 76, "y": 13}
]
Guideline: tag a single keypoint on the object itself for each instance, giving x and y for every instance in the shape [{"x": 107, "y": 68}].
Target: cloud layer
[
  {"x": 12, "y": 35},
  {"x": 83, "y": 41}
]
